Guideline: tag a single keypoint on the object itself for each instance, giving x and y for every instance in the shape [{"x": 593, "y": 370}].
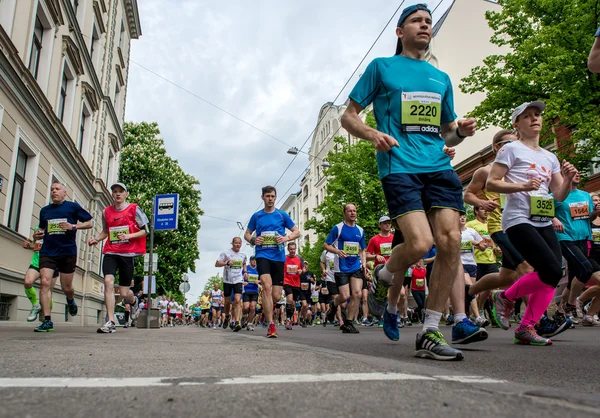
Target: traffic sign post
[{"x": 165, "y": 214}]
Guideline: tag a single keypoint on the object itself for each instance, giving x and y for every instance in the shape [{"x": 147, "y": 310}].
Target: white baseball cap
[
  {"x": 519, "y": 110},
  {"x": 118, "y": 184},
  {"x": 384, "y": 218}
]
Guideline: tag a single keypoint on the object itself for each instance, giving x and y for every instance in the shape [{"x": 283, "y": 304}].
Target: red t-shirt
[
  {"x": 418, "y": 278},
  {"x": 381, "y": 246},
  {"x": 292, "y": 269}
]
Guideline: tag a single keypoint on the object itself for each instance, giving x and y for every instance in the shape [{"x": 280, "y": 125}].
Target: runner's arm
[
  {"x": 294, "y": 235},
  {"x": 475, "y": 187},
  {"x": 495, "y": 184},
  {"x": 594, "y": 58},
  {"x": 330, "y": 248},
  {"x": 248, "y": 236},
  {"x": 561, "y": 185},
  {"x": 352, "y": 123},
  {"x": 455, "y": 132},
  {"x": 428, "y": 260}
]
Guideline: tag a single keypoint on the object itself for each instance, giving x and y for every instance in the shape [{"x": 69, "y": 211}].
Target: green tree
[
  {"x": 312, "y": 254},
  {"x": 211, "y": 282},
  {"x": 549, "y": 41},
  {"x": 352, "y": 178},
  {"x": 147, "y": 170}
]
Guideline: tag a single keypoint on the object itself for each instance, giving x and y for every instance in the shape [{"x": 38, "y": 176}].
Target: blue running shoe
[
  {"x": 466, "y": 332},
  {"x": 390, "y": 325},
  {"x": 380, "y": 323},
  {"x": 46, "y": 326},
  {"x": 72, "y": 307},
  {"x": 550, "y": 327}
]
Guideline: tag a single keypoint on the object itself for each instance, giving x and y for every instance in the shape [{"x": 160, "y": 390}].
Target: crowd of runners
[{"x": 528, "y": 209}]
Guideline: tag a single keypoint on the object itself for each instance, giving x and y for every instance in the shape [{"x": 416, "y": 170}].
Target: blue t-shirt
[
  {"x": 574, "y": 213},
  {"x": 411, "y": 100},
  {"x": 269, "y": 226},
  {"x": 251, "y": 287},
  {"x": 351, "y": 240},
  {"x": 58, "y": 242}
]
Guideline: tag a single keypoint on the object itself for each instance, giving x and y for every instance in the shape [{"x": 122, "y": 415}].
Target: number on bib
[
  {"x": 351, "y": 248},
  {"x": 466, "y": 246},
  {"x": 421, "y": 112},
  {"x": 542, "y": 208},
  {"x": 579, "y": 210}
]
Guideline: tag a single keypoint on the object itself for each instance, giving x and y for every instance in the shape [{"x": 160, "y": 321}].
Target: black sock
[
  {"x": 126, "y": 316},
  {"x": 47, "y": 318}
]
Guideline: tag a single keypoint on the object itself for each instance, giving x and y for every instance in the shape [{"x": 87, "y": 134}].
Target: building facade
[{"x": 64, "y": 66}]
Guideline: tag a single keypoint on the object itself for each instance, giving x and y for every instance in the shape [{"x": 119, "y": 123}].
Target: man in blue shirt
[
  {"x": 573, "y": 229},
  {"x": 346, "y": 242},
  {"x": 413, "y": 105},
  {"x": 58, "y": 228},
  {"x": 250, "y": 295},
  {"x": 270, "y": 225}
]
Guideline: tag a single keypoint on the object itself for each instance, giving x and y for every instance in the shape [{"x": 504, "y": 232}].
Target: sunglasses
[{"x": 502, "y": 143}]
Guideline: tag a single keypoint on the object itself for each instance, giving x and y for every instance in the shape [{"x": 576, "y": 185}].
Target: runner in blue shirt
[
  {"x": 250, "y": 295},
  {"x": 58, "y": 228},
  {"x": 573, "y": 227},
  {"x": 346, "y": 242},
  {"x": 413, "y": 105},
  {"x": 270, "y": 225}
]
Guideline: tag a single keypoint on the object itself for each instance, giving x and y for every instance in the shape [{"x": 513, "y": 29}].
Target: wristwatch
[{"x": 74, "y": 227}]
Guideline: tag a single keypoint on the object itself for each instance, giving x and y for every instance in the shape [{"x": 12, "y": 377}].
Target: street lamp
[{"x": 296, "y": 151}]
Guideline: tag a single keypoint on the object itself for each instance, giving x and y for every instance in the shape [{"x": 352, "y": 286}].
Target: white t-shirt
[
  {"x": 524, "y": 164},
  {"x": 235, "y": 273},
  {"x": 163, "y": 305},
  {"x": 328, "y": 259},
  {"x": 216, "y": 298},
  {"x": 467, "y": 237}
]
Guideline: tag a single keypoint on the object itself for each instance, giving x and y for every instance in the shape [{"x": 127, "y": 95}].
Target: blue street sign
[{"x": 166, "y": 211}]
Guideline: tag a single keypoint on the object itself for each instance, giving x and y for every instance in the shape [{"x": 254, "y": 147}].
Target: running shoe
[
  {"x": 35, "y": 310},
  {"x": 400, "y": 323},
  {"x": 72, "y": 307},
  {"x": 237, "y": 327},
  {"x": 502, "y": 309},
  {"x": 466, "y": 332},
  {"x": 348, "y": 328},
  {"x": 407, "y": 322},
  {"x": 431, "y": 344},
  {"x": 226, "y": 322},
  {"x": 571, "y": 312},
  {"x": 548, "y": 327},
  {"x": 46, "y": 326},
  {"x": 331, "y": 312},
  {"x": 480, "y": 321},
  {"x": 107, "y": 328},
  {"x": 303, "y": 323},
  {"x": 214, "y": 326},
  {"x": 390, "y": 325},
  {"x": 317, "y": 322},
  {"x": 380, "y": 323},
  {"x": 288, "y": 324},
  {"x": 272, "y": 331},
  {"x": 366, "y": 323},
  {"x": 579, "y": 308},
  {"x": 528, "y": 336}
]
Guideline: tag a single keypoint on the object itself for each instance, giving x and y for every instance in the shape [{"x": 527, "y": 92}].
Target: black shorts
[
  {"x": 306, "y": 295},
  {"x": 63, "y": 264},
  {"x": 272, "y": 268},
  {"x": 289, "y": 290},
  {"x": 172, "y": 315},
  {"x": 229, "y": 288},
  {"x": 333, "y": 289},
  {"x": 342, "y": 279},
  {"x": 250, "y": 297},
  {"x": 405, "y": 193},
  {"x": 216, "y": 308},
  {"x": 407, "y": 281},
  {"x": 326, "y": 299},
  {"x": 205, "y": 311},
  {"x": 124, "y": 265},
  {"x": 32, "y": 267},
  {"x": 511, "y": 258},
  {"x": 580, "y": 265},
  {"x": 595, "y": 252},
  {"x": 483, "y": 269}
]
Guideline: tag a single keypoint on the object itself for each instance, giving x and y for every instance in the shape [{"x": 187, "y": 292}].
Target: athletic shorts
[
  {"x": 342, "y": 279},
  {"x": 216, "y": 308},
  {"x": 124, "y": 265},
  {"x": 205, "y": 311},
  {"x": 483, "y": 269},
  {"x": 32, "y": 267},
  {"x": 326, "y": 299},
  {"x": 289, "y": 290},
  {"x": 306, "y": 295},
  {"x": 595, "y": 252},
  {"x": 580, "y": 265},
  {"x": 471, "y": 270},
  {"x": 332, "y": 288},
  {"x": 273, "y": 268},
  {"x": 63, "y": 263},
  {"x": 407, "y": 281},
  {"x": 229, "y": 288},
  {"x": 405, "y": 193},
  {"x": 173, "y": 315},
  {"x": 511, "y": 258},
  {"x": 250, "y": 297}
]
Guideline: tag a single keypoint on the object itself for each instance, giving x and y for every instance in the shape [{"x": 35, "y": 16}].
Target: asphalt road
[{"x": 305, "y": 372}]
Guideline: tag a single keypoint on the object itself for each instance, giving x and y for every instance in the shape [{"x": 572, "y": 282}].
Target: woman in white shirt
[
  {"x": 469, "y": 239},
  {"x": 525, "y": 172}
]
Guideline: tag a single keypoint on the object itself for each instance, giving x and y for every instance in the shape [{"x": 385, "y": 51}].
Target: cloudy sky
[{"x": 270, "y": 63}]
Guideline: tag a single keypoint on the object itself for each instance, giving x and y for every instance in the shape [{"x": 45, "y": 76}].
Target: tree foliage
[
  {"x": 312, "y": 254},
  {"x": 211, "y": 282},
  {"x": 352, "y": 178},
  {"x": 147, "y": 170},
  {"x": 549, "y": 41}
]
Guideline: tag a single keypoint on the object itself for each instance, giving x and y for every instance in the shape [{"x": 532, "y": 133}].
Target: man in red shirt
[
  {"x": 417, "y": 287},
  {"x": 291, "y": 282},
  {"x": 379, "y": 251}
]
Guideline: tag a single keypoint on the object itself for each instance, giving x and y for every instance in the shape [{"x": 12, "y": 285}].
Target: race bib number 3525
[
  {"x": 542, "y": 208},
  {"x": 421, "y": 112}
]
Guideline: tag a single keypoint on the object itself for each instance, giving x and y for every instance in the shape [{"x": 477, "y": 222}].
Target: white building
[
  {"x": 456, "y": 51},
  {"x": 64, "y": 66}
]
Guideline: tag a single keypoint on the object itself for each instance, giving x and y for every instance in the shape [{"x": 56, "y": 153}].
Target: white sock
[
  {"x": 459, "y": 317},
  {"x": 385, "y": 276},
  {"x": 392, "y": 309},
  {"x": 432, "y": 319}
]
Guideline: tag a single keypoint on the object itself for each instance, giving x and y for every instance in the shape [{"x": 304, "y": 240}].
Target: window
[
  {"x": 81, "y": 131},
  {"x": 317, "y": 200},
  {"x": 109, "y": 166},
  {"x": 75, "y": 6},
  {"x": 63, "y": 97},
  {"x": 64, "y": 109},
  {"x": 94, "y": 44},
  {"x": 306, "y": 214},
  {"x": 36, "y": 47},
  {"x": 17, "y": 192}
]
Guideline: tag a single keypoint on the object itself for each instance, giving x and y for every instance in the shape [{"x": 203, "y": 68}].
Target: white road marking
[{"x": 116, "y": 382}]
